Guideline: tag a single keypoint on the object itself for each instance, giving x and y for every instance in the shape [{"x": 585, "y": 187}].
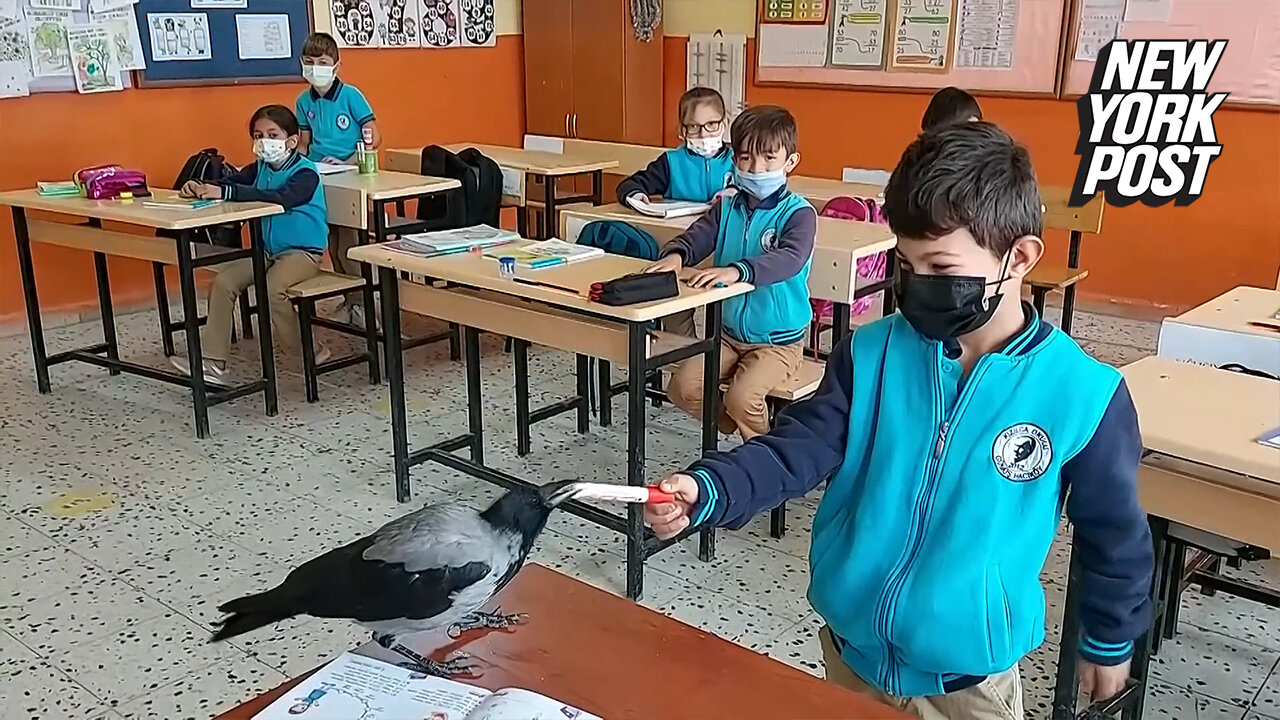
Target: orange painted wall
[
  {"x": 1163, "y": 256},
  {"x": 419, "y": 96}
]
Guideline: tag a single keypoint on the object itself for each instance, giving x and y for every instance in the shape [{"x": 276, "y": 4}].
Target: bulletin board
[
  {"x": 1250, "y": 65},
  {"x": 1007, "y": 47},
  {"x": 15, "y": 46},
  {"x": 190, "y": 42}
]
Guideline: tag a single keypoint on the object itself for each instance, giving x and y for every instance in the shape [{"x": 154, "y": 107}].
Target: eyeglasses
[{"x": 706, "y": 128}]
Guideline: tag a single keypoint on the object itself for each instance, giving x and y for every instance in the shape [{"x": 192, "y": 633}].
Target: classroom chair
[
  {"x": 1051, "y": 276},
  {"x": 304, "y": 297}
]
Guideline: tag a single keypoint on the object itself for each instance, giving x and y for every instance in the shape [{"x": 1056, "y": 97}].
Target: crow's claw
[
  {"x": 492, "y": 620},
  {"x": 459, "y": 664}
]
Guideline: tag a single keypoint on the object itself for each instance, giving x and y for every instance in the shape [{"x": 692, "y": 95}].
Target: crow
[
  {"x": 1023, "y": 451},
  {"x": 431, "y": 569}
]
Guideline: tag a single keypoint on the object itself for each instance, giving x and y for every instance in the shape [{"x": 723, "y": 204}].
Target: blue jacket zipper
[
  {"x": 742, "y": 308},
  {"x": 897, "y": 579}
]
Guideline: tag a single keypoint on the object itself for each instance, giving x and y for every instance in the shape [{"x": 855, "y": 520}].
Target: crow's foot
[
  {"x": 459, "y": 664},
  {"x": 492, "y": 620}
]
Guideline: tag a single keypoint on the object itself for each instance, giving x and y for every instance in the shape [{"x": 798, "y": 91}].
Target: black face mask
[{"x": 945, "y": 306}]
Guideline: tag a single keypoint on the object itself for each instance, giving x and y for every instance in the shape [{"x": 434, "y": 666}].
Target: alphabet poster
[{"x": 179, "y": 36}]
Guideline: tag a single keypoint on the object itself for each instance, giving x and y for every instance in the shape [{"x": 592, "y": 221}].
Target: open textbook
[
  {"x": 665, "y": 208},
  {"x": 355, "y": 687}
]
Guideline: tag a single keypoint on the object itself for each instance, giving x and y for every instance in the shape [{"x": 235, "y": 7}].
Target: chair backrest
[{"x": 1058, "y": 216}]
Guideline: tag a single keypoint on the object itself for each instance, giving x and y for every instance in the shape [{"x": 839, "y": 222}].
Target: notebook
[
  {"x": 666, "y": 208},
  {"x": 545, "y": 253},
  {"x": 359, "y": 687},
  {"x": 464, "y": 238},
  {"x": 323, "y": 168},
  {"x": 57, "y": 189}
]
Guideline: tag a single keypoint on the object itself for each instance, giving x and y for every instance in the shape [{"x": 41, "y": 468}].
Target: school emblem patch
[
  {"x": 344, "y": 122},
  {"x": 768, "y": 239},
  {"x": 311, "y": 114},
  {"x": 1022, "y": 452}
]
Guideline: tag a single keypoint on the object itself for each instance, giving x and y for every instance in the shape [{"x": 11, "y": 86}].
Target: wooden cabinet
[{"x": 587, "y": 76}]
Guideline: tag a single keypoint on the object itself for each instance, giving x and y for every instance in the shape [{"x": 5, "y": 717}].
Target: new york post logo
[{"x": 1146, "y": 124}]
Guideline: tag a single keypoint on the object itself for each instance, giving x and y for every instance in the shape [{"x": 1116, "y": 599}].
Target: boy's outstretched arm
[
  {"x": 1112, "y": 542},
  {"x": 806, "y": 446},
  {"x": 697, "y": 242},
  {"x": 655, "y": 179}
]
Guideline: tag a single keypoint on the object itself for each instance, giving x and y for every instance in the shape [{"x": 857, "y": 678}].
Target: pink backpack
[{"x": 870, "y": 268}]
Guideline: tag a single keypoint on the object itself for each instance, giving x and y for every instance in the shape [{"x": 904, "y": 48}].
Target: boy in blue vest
[
  {"x": 334, "y": 117},
  {"x": 763, "y": 235},
  {"x": 954, "y": 433},
  {"x": 294, "y": 241}
]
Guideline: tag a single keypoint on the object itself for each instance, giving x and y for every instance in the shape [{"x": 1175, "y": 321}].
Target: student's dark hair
[
  {"x": 971, "y": 175},
  {"x": 693, "y": 97},
  {"x": 320, "y": 44},
  {"x": 277, "y": 114},
  {"x": 948, "y": 106},
  {"x": 764, "y": 128}
]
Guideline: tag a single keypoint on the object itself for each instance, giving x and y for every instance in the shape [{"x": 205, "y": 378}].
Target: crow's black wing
[{"x": 342, "y": 584}]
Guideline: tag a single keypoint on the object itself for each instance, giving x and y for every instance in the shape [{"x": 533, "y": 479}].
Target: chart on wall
[
  {"x": 793, "y": 11},
  {"x": 413, "y": 23},
  {"x": 718, "y": 61},
  {"x": 857, "y": 33},
  {"x": 37, "y": 54},
  {"x": 985, "y": 33},
  {"x": 922, "y": 35}
]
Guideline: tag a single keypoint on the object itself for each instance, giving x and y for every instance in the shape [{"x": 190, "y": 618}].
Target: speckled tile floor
[{"x": 120, "y": 532}]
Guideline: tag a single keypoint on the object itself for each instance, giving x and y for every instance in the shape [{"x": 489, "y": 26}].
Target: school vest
[
  {"x": 695, "y": 178},
  {"x": 775, "y": 314},
  {"x": 305, "y": 227}
]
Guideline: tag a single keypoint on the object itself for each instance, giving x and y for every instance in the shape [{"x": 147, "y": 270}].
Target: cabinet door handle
[
  {"x": 575, "y": 124},
  {"x": 566, "y": 125}
]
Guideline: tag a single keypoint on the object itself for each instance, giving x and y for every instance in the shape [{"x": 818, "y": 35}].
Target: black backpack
[
  {"x": 208, "y": 166},
  {"x": 479, "y": 199}
]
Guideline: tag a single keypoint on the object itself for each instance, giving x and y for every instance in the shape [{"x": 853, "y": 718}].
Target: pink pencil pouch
[{"x": 108, "y": 182}]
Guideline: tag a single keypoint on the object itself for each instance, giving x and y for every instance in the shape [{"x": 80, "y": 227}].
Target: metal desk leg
[
  {"x": 549, "y": 207},
  {"x": 584, "y": 391},
  {"x": 191, "y": 327},
  {"x": 636, "y": 363},
  {"x": 597, "y": 187},
  {"x": 28, "y": 274},
  {"x": 1165, "y": 578},
  {"x": 390, "y": 283},
  {"x": 840, "y": 319},
  {"x": 520, "y": 356},
  {"x": 605, "y": 370},
  {"x": 710, "y": 412},
  {"x": 162, "y": 309},
  {"x": 475, "y": 411},
  {"x": 263, "y": 297},
  {"x": 1064, "y": 691},
  {"x": 104, "y": 305}
]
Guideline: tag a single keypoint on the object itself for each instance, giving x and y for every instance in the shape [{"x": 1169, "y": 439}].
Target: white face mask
[
  {"x": 706, "y": 146},
  {"x": 271, "y": 150},
  {"x": 320, "y": 76}
]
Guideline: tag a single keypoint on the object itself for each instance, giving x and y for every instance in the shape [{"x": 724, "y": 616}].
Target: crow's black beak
[{"x": 556, "y": 493}]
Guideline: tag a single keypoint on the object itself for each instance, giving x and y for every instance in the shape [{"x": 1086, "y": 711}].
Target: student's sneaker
[{"x": 212, "y": 372}]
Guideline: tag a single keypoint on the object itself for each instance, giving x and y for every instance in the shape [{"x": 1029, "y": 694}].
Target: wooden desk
[
  {"x": 590, "y": 648},
  {"x": 1203, "y": 469},
  {"x": 475, "y": 297},
  {"x": 517, "y": 165},
  {"x": 159, "y": 251},
  {"x": 1234, "y": 309},
  {"x": 349, "y": 195}
]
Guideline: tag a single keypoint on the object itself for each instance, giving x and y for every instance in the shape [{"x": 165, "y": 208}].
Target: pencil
[{"x": 539, "y": 283}]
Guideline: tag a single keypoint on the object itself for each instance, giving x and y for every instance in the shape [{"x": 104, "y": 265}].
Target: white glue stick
[{"x": 622, "y": 493}]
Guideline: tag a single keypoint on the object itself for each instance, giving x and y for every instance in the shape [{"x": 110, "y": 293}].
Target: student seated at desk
[
  {"x": 949, "y": 106},
  {"x": 698, "y": 170},
  {"x": 952, "y": 433},
  {"x": 334, "y": 117},
  {"x": 294, "y": 241},
  {"x": 763, "y": 235}
]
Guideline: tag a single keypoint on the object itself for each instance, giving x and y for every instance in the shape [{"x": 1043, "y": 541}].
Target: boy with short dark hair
[
  {"x": 763, "y": 235},
  {"x": 949, "y": 106},
  {"x": 953, "y": 434},
  {"x": 333, "y": 117}
]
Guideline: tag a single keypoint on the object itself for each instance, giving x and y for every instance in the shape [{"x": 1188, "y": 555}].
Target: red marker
[{"x": 622, "y": 493}]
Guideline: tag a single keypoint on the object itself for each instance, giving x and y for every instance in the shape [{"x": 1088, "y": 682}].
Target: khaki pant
[
  {"x": 751, "y": 371},
  {"x": 681, "y": 324},
  {"x": 999, "y": 697},
  {"x": 283, "y": 271},
  {"x": 342, "y": 239}
]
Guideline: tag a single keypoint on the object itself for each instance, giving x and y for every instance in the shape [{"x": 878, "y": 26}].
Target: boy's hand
[
  {"x": 713, "y": 277},
  {"x": 205, "y": 191},
  {"x": 671, "y": 519},
  {"x": 189, "y": 189},
  {"x": 725, "y": 193},
  {"x": 1101, "y": 682},
  {"x": 672, "y": 262}
]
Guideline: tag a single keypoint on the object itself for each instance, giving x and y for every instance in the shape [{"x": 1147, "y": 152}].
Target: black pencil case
[{"x": 636, "y": 288}]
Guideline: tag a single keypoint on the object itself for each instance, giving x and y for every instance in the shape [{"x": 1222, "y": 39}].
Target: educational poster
[
  {"x": 123, "y": 26},
  {"x": 857, "y": 33},
  {"x": 47, "y": 39},
  {"x": 263, "y": 37},
  {"x": 1148, "y": 10},
  {"x": 922, "y": 35},
  {"x": 353, "y": 23},
  {"x": 99, "y": 6},
  {"x": 1099, "y": 25},
  {"x": 179, "y": 36},
  {"x": 57, "y": 4},
  {"x": 719, "y": 62},
  {"x": 986, "y": 33},
  {"x": 477, "y": 23},
  {"x": 398, "y": 24},
  {"x": 93, "y": 56},
  {"x": 793, "y": 11},
  {"x": 791, "y": 46},
  {"x": 440, "y": 26},
  {"x": 15, "y": 79},
  {"x": 15, "y": 65}
]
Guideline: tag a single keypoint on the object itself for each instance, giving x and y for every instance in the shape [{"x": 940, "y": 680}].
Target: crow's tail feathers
[{"x": 250, "y": 613}]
